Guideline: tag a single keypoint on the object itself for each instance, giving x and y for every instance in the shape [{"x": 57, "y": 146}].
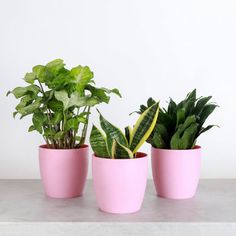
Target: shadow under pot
[
  {"x": 120, "y": 184},
  {"x": 63, "y": 171},
  {"x": 176, "y": 172}
]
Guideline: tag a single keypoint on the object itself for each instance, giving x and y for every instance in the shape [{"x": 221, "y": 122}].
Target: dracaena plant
[
  {"x": 179, "y": 126},
  {"x": 59, "y": 101},
  {"x": 118, "y": 145}
]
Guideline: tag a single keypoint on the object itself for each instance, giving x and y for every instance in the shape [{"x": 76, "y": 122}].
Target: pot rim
[
  {"x": 196, "y": 148},
  {"x": 140, "y": 157},
  {"x": 45, "y": 147}
]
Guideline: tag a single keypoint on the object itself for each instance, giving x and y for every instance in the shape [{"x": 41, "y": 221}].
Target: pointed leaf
[
  {"x": 119, "y": 151},
  {"x": 128, "y": 132},
  {"x": 144, "y": 127},
  {"x": 98, "y": 143},
  {"x": 200, "y": 104},
  {"x": 189, "y": 136},
  {"x": 112, "y": 133},
  {"x": 206, "y": 111},
  {"x": 207, "y": 128},
  {"x": 157, "y": 141}
]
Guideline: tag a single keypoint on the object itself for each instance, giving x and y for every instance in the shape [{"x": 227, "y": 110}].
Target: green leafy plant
[
  {"x": 179, "y": 126},
  {"x": 116, "y": 144},
  {"x": 59, "y": 101}
]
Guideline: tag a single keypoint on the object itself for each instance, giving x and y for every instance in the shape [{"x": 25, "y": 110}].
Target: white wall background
[{"x": 145, "y": 48}]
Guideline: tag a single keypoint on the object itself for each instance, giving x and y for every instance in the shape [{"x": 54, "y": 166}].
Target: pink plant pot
[
  {"x": 63, "y": 171},
  {"x": 120, "y": 184},
  {"x": 176, "y": 172}
]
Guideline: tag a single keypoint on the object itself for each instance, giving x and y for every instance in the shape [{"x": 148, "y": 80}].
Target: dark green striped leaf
[
  {"x": 144, "y": 127},
  {"x": 98, "y": 142},
  {"x": 113, "y": 133},
  {"x": 120, "y": 152}
]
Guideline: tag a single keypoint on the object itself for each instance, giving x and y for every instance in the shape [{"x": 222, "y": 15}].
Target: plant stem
[{"x": 49, "y": 114}]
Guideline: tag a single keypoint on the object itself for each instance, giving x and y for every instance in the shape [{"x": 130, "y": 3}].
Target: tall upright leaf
[
  {"x": 98, "y": 142},
  {"x": 113, "y": 133},
  {"x": 144, "y": 127}
]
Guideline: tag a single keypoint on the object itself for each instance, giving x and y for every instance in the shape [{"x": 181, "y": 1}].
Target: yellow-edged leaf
[{"x": 144, "y": 127}]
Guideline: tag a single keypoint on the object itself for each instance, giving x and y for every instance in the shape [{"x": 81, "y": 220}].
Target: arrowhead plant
[
  {"x": 118, "y": 145},
  {"x": 59, "y": 101},
  {"x": 179, "y": 126}
]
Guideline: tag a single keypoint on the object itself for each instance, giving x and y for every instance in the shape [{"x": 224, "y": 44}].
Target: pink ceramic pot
[
  {"x": 120, "y": 184},
  {"x": 176, "y": 172},
  {"x": 63, "y": 171}
]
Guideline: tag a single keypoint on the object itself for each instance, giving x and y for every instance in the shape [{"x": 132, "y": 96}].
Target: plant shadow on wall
[{"x": 59, "y": 101}]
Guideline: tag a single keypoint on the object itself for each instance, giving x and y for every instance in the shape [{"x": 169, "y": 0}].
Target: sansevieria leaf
[
  {"x": 112, "y": 133},
  {"x": 144, "y": 127},
  {"x": 119, "y": 151},
  {"x": 98, "y": 142}
]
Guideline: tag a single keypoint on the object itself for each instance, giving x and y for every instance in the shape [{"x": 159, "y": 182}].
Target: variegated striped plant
[{"x": 117, "y": 145}]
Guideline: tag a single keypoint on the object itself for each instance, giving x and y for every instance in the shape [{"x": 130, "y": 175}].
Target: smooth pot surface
[
  {"x": 63, "y": 171},
  {"x": 176, "y": 172},
  {"x": 120, "y": 184}
]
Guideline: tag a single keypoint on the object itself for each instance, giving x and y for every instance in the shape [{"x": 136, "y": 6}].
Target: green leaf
[
  {"x": 83, "y": 76},
  {"x": 31, "y": 128},
  {"x": 113, "y": 133},
  {"x": 207, "y": 128},
  {"x": 19, "y": 92},
  {"x": 98, "y": 143},
  {"x": 26, "y": 100},
  {"x": 29, "y": 109},
  {"x": 56, "y": 64},
  {"x": 186, "y": 140},
  {"x": 57, "y": 118},
  {"x": 29, "y": 78},
  {"x": 115, "y": 91},
  {"x": 150, "y": 102},
  {"x": 189, "y": 120},
  {"x": 189, "y": 102},
  {"x": 144, "y": 127},
  {"x": 15, "y": 113},
  {"x": 206, "y": 111},
  {"x": 189, "y": 136},
  {"x": 72, "y": 123},
  {"x": 59, "y": 135},
  {"x": 128, "y": 132},
  {"x": 175, "y": 140},
  {"x": 157, "y": 141},
  {"x": 162, "y": 131},
  {"x": 119, "y": 151},
  {"x": 99, "y": 93},
  {"x": 171, "y": 107},
  {"x": 38, "y": 120},
  {"x": 75, "y": 99},
  {"x": 200, "y": 104},
  {"x": 180, "y": 116},
  {"x": 55, "y": 105}
]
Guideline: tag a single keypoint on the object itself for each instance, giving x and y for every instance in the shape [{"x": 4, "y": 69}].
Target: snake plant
[
  {"x": 118, "y": 145},
  {"x": 179, "y": 126}
]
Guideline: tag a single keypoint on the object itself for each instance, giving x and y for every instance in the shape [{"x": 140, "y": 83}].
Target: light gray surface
[{"x": 23, "y": 207}]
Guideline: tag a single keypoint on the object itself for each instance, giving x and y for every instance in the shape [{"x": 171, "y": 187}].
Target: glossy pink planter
[
  {"x": 63, "y": 171},
  {"x": 120, "y": 184},
  {"x": 176, "y": 172}
]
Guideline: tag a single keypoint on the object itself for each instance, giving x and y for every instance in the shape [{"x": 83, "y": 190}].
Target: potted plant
[
  {"x": 175, "y": 155},
  {"x": 59, "y": 101},
  {"x": 119, "y": 170}
]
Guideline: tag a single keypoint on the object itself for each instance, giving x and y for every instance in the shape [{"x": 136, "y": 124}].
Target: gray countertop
[{"x": 24, "y": 207}]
